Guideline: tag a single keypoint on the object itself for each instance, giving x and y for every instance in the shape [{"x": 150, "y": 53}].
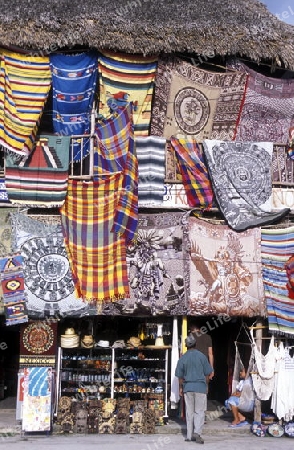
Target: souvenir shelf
[
  {"x": 85, "y": 372},
  {"x": 142, "y": 373}
]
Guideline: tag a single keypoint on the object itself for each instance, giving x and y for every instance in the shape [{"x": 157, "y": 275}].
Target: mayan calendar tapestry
[
  {"x": 195, "y": 102},
  {"x": 157, "y": 268},
  {"x": 124, "y": 79},
  {"x": 267, "y": 112},
  {"x": 41, "y": 180},
  {"x": 225, "y": 271},
  {"x": 25, "y": 84},
  {"x": 48, "y": 278},
  {"x": 277, "y": 247},
  {"x": 240, "y": 173},
  {"x": 97, "y": 255},
  {"x": 74, "y": 79}
]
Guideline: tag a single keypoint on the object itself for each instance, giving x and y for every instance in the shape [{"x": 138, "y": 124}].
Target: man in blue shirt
[{"x": 193, "y": 370}]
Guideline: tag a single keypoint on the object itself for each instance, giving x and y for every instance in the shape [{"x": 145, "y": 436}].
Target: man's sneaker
[{"x": 199, "y": 439}]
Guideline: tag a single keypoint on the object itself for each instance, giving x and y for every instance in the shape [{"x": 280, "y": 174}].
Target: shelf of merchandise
[
  {"x": 82, "y": 371},
  {"x": 139, "y": 372}
]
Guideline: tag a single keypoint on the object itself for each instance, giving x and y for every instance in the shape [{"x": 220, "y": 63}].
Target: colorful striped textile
[
  {"x": 12, "y": 284},
  {"x": 97, "y": 256},
  {"x": 240, "y": 174},
  {"x": 267, "y": 111},
  {"x": 115, "y": 153},
  {"x": 127, "y": 78},
  {"x": 24, "y": 86},
  {"x": 277, "y": 247},
  {"x": 42, "y": 178},
  {"x": 74, "y": 79},
  {"x": 194, "y": 172},
  {"x": 151, "y": 168}
]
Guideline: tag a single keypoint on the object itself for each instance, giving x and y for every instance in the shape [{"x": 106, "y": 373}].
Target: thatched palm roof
[{"x": 205, "y": 27}]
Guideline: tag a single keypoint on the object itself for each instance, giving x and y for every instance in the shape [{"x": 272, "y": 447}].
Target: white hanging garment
[
  {"x": 175, "y": 354},
  {"x": 263, "y": 373},
  {"x": 265, "y": 364},
  {"x": 282, "y": 402}
]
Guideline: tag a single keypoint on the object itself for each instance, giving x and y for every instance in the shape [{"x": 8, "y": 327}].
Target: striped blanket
[
  {"x": 24, "y": 86},
  {"x": 97, "y": 256},
  {"x": 194, "y": 172},
  {"x": 124, "y": 79},
  {"x": 240, "y": 173},
  {"x": 115, "y": 153},
  {"x": 74, "y": 79},
  {"x": 277, "y": 247},
  {"x": 42, "y": 179},
  {"x": 151, "y": 166}
]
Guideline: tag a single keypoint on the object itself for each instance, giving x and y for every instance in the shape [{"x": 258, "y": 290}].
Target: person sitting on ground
[{"x": 233, "y": 402}]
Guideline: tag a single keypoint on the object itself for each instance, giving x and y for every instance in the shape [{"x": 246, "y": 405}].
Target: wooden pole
[
  {"x": 184, "y": 333},
  {"x": 258, "y": 340}
]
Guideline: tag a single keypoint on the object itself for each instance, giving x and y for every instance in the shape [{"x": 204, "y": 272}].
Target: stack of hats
[{"x": 70, "y": 339}]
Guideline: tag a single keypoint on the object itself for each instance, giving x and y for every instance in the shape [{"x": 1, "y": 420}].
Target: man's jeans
[{"x": 196, "y": 405}]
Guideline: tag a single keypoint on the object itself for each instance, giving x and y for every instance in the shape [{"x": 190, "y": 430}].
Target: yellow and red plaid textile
[
  {"x": 24, "y": 86},
  {"x": 97, "y": 256}
]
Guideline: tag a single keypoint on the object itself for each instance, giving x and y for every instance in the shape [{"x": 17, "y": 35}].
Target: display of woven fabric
[
  {"x": 267, "y": 112},
  {"x": 12, "y": 284},
  {"x": 47, "y": 275},
  {"x": 74, "y": 79},
  {"x": 150, "y": 152},
  {"x": 194, "y": 172},
  {"x": 41, "y": 180},
  {"x": 125, "y": 78},
  {"x": 225, "y": 271},
  {"x": 276, "y": 250},
  {"x": 97, "y": 256},
  {"x": 115, "y": 153},
  {"x": 25, "y": 83},
  {"x": 240, "y": 173},
  {"x": 192, "y": 101},
  {"x": 158, "y": 275}
]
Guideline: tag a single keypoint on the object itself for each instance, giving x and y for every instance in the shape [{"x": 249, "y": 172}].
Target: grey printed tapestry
[
  {"x": 48, "y": 279},
  {"x": 241, "y": 176}
]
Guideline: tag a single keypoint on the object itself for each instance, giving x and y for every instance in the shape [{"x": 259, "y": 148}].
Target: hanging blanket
[
  {"x": 151, "y": 165},
  {"x": 42, "y": 179},
  {"x": 267, "y": 111},
  {"x": 194, "y": 172},
  {"x": 97, "y": 256},
  {"x": 5, "y": 242},
  {"x": 192, "y": 101},
  {"x": 157, "y": 268},
  {"x": 3, "y": 192},
  {"x": 115, "y": 153},
  {"x": 12, "y": 284},
  {"x": 124, "y": 79},
  {"x": 48, "y": 279},
  {"x": 25, "y": 84},
  {"x": 74, "y": 79},
  {"x": 225, "y": 271},
  {"x": 277, "y": 247},
  {"x": 241, "y": 177}
]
